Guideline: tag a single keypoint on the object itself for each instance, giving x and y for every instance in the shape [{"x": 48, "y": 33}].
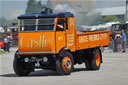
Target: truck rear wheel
[
  {"x": 64, "y": 65},
  {"x": 93, "y": 62},
  {"x": 20, "y": 68},
  {"x": 88, "y": 63}
]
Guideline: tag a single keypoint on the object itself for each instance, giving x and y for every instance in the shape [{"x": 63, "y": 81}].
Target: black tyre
[
  {"x": 20, "y": 67},
  {"x": 93, "y": 62},
  {"x": 88, "y": 63},
  {"x": 64, "y": 64}
]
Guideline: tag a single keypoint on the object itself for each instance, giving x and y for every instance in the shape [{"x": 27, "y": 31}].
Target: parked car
[{"x": 1, "y": 43}]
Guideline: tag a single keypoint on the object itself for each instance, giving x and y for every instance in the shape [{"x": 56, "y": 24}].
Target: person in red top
[{"x": 1, "y": 43}]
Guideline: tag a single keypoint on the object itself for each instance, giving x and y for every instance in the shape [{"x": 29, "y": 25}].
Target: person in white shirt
[{"x": 118, "y": 41}]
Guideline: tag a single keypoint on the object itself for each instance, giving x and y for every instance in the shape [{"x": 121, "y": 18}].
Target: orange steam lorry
[{"x": 50, "y": 41}]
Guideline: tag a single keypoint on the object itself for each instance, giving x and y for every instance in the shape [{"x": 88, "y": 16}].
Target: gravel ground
[{"x": 114, "y": 71}]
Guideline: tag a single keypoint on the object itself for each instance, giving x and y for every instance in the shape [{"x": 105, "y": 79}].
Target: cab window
[
  {"x": 60, "y": 25},
  {"x": 46, "y": 24},
  {"x": 37, "y": 24},
  {"x": 28, "y": 25}
]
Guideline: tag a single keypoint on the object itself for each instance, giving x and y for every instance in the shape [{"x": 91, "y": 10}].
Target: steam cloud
[
  {"x": 81, "y": 18},
  {"x": 64, "y": 8}
]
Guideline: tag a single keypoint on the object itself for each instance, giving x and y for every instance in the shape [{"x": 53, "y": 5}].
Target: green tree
[
  {"x": 109, "y": 19},
  {"x": 33, "y": 6},
  {"x": 12, "y": 22},
  {"x": 39, "y": 7},
  {"x": 3, "y": 22},
  {"x": 122, "y": 21}
]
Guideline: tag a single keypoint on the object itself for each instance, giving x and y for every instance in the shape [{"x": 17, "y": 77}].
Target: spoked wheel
[
  {"x": 64, "y": 65},
  {"x": 93, "y": 62}
]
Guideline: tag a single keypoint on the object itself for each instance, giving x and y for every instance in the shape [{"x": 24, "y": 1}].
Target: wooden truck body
[{"x": 43, "y": 45}]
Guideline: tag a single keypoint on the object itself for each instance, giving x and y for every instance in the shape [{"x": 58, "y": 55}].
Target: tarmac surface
[{"x": 114, "y": 71}]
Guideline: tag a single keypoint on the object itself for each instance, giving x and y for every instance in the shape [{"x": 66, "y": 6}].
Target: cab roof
[{"x": 44, "y": 15}]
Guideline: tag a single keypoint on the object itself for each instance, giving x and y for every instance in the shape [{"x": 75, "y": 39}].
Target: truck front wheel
[
  {"x": 20, "y": 68},
  {"x": 64, "y": 65}
]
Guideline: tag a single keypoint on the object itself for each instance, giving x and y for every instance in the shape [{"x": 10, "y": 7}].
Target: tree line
[{"x": 34, "y": 6}]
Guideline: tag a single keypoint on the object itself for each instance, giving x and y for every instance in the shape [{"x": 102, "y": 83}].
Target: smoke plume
[{"x": 83, "y": 10}]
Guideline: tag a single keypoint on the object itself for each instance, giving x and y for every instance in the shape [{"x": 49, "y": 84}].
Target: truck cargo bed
[{"x": 92, "y": 39}]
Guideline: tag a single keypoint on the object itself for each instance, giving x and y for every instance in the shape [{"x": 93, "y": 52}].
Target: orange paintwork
[
  {"x": 36, "y": 42},
  {"x": 60, "y": 40},
  {"x": 53, "y": 42},
  {"x": 71, "y": 34},
  {"x": 97, "y": 59},
  {"x": 92, "y": 39},
  {"x": 66, "y": 63}
]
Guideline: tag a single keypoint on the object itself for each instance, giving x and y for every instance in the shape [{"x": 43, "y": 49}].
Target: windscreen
[{"x": 46, "y": 24}]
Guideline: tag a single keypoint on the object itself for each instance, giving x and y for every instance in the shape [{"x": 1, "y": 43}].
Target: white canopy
[{"x": 1, "y": 29}]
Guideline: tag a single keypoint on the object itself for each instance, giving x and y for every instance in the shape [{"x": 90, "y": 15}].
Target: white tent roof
[{"x": 1, "y": 29}]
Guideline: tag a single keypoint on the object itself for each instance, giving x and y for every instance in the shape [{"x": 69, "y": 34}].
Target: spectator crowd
[{"x": 118, "y": 41}]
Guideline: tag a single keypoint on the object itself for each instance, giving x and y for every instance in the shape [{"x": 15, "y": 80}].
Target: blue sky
[{"x": 12, "y": 8}]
